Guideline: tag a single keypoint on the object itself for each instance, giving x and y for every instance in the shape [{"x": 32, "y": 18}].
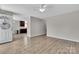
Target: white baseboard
[
  {"x": 63, "y": 38},
  {"x": 37, "y": 35}
]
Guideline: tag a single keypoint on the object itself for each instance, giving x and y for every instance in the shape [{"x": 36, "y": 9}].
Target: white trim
[{"x": 63, "y": 38}]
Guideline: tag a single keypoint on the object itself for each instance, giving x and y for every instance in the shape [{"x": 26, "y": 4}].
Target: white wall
[
  {"x": 64, "y": 26},
  {"x": 37, "y": 26},
  {"x": 28, "y": 27}
]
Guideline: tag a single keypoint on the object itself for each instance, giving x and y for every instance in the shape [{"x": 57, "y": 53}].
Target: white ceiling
[{"x": 33, "y": 9}]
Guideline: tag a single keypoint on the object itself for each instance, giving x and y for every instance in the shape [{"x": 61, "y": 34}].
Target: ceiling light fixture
[{"x": 42, "y": 7}]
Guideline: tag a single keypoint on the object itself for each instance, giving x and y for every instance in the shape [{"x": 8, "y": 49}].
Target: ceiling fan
[{"x": 42, "y": 7}]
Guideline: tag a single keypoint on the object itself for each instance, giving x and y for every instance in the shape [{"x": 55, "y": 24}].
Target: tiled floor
[{"x": 39, "y": 45}]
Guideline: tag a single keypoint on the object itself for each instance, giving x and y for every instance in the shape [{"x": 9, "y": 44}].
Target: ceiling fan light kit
[{"x": 42, "y": 7}]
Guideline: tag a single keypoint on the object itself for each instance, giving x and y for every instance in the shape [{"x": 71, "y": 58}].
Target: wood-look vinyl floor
[{"x": 39, "y": 45}]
